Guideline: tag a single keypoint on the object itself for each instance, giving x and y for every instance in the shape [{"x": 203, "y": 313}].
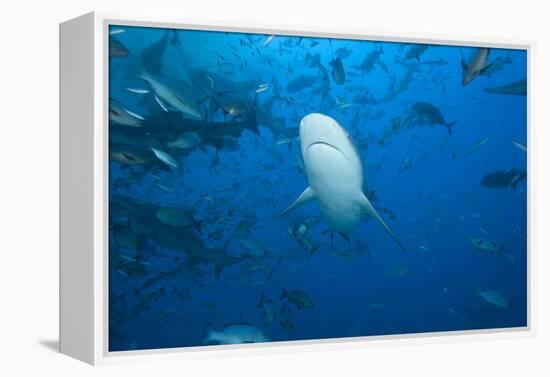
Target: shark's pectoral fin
[
  {"x": 484, "y": 69},
  {"x": 369, "y": 209},
  {"x": 305, "y": 197}
]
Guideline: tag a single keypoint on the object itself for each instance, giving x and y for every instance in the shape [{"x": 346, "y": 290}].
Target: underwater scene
[{"x": 269, "y": 188}]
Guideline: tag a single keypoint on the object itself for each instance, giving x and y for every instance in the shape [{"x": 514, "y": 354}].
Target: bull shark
[
  {"x": 335, "y": 175},
  {"x": 476, "y": 66}
]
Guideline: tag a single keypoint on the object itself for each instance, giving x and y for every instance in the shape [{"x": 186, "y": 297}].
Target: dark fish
[
  {"x": 313, "y": 60},
  {"x": 504, "y": 178},
  {"x": 298, "y": 297},
  {"x": 415, "y": 51},
  {"x": 116, "y": 48},
  {"x": 151, "y": 56},
  {"x": 300, "y": 83},
  {"x": 496, "y": 66},
  {"x": 343, "y": 52},
  {"x": 518, "y": 88},
  {"x": 426, "y": 113},
  {"x": 338, "y": 73}
]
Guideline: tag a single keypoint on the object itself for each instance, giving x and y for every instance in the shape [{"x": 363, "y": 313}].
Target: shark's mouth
[{"x": 328, "y": 145}]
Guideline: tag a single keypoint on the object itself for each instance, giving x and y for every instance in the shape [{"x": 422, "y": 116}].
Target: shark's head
[{"x": 321, "y": 131}]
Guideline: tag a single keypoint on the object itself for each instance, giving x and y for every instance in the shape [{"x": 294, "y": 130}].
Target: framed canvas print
[{"x": 226, "y": 187}]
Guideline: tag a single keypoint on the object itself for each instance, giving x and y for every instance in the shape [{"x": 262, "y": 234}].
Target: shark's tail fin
[
  {"x": 369, "y": 209},
  {"x": 221, "y": 263},
  {"x": 449, "y": 127},
  {"x": 152, "y": 55}
]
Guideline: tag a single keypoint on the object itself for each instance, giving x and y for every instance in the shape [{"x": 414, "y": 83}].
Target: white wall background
[{"x": 29, "y": 184}]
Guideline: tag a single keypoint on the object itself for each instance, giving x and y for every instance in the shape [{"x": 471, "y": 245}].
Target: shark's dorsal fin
[
  {"x": 369, "y": 209},
  {"x": 305, "y": 197}
]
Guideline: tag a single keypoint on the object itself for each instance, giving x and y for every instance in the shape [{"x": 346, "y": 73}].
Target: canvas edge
[
  {"x": 101, "y": 354},
  {"x": 76, "y": 191}
]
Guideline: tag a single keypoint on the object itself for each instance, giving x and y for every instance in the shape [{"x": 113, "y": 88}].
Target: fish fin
[
  {"x": 345, "y": 236},
  {"x": 305, "y": 197},
  {"x": 161, "y": 103},
  {"x": 369, "y": 209},
  {"x": 223, "y": 262},
  {"x": 284, "y": 294},
  {"x": 486, "y": 68},
  {"x": 449, "y": 125},
  {"x": 210, "y": 333},
  {"x": 516, "y": 180}
]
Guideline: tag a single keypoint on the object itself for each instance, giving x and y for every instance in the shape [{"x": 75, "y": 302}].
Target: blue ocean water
[{"x": 204, "y": 154}]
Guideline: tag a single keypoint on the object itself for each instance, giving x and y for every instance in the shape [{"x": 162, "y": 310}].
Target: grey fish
[
  {"x": 504, "y": 178},
  {"x": 486, "y": 246},
  {"x": 300, "y": 83},
  {"x": 494, "y": 298},
  {"x": 117, "y": 48},
  {"x": 120, "y": 115},
  {"x": 343, "y": 52},
  {"x": 475, "y": 66},
  {"x": 517, "y": 88},
  {"x": 235, "y": 334},
  {"x": 338, "y": 73},
  {"x": 299, "y": 298},
  {"x": 424, "y": 112},
  {"x": 415, "y": 51}
]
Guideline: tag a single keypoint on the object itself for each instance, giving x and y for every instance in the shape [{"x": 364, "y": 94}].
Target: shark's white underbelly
[{"x": 336, "y": 181}]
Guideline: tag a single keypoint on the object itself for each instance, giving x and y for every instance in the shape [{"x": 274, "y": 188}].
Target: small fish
[
  {"x": 137, "y": 90},
  {"x": 504, "y": 178},
  {"x": 494, "y": 298},
  {"x": 185, "y": 141},
  {"x": 235, "y": 334},
  {"x": 165, "y": 158},
  {"x": 175, "y": 217},
  {"x": 116, "y": 31},
  {"x": 520, "y": 145},
  {"x": 262, "y": 88},
  {"x": 268, "y": 40},
  {"x": 164, "y": 187},
  {"x": 519, "y": 232},
  {"x": 517, "y": 88},
  {"x": 477, "y": 145},
  {"x": 486, "y": 246},
  {"x": 299, "y": 298}
]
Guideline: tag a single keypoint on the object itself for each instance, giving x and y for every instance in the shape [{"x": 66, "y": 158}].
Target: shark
[
  {"x": 476, "y": 66},
  {"x": 335, "y": 175},
  {"x": 517, "y": 88}
]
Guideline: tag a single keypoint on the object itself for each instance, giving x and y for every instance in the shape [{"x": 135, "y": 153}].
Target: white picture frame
[{"x": 84, "y": 201}]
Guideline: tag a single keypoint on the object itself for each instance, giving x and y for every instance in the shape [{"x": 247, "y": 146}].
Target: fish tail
[
  {"x": 225, "y": 261},
  {"x": 449, "y": 127}
]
